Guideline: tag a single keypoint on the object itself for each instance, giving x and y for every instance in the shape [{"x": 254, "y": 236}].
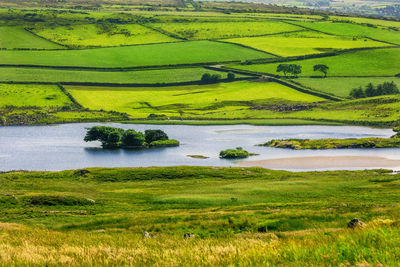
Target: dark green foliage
[
  {"x": 155, "y": 135},
  {"x": 237, "y": 153},
  {"x": 293, "y": 69},
  {"x": 387, "y": 88},
  {"x": 322, "y": 68},
  {"x": 111, "y": 137},
  {"x": 46, "y": 200},
  {"x": 231, "y": 76},
  {"x": 210, "y": 78},
  {"x": 132, "y": 138}
]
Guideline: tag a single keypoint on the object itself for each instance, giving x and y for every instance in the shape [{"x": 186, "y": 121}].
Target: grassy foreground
[{"x": 97, "y": 217}]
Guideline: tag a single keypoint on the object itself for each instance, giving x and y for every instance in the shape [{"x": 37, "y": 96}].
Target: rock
[
  {"x": 91, "y": 200},
  {"x": 100, "y": 231},
  {"x": 188, "y": 235},
  {"x": 148, "y": 235},
  {"x": 82, "y": 172},
  {"x": 262, "y": 229},
  {"x": 355, "y": 223}
]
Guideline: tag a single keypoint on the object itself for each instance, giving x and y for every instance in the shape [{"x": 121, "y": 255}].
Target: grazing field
[
  {"x": 18, "y": 37},
  {"x": 101, "y": 35},
  {"x": 380, "y": 62},
  {"x": 303, "y": 43},
  {"x": 354, "y": 30},
  {"x": 218, "y": 30},
  {"x": 145, "y": 76},
  {"x": 98, "y": 218},
  {"x": 131, "y": 56},
  {"x": 343, "y": 86},
  {"x": 188, "y": 100},
  {"x": 21, "y": 95}
]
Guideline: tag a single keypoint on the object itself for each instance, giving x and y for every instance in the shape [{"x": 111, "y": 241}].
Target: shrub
[
  {"x": 133, "y": 138},
  {"x": 237, "y": 153},
  {"x": 165, "y": 143},
  {"x": 155, "y": 135}
]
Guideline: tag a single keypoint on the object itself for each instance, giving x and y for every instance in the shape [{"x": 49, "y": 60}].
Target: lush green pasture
[
  {"x": 145, "y": 76},
  {"x": 47, "y": 218},
  {"x": 380, "y": 62},
  {"x": 218, "y": 30},
  {"x": 17, "y": 37},
  {"x": 188, "y": 100},
  {"x": 360, "y": 20},
  {"x": 143, "y": 55},
  {"x": 354, "y": 30},
  {"x": 92, "y": 35},
  {"x": 343, "y": 86},
  {"x": 21, "y": 95},
  {"x": 303, "y": 43}
]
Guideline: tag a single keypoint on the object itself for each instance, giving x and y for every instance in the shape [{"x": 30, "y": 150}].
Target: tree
[
  {"x": 294, "y": 69},
  {"x": 132, "y": 138},
  {"x": 283, "y": 68},
  {"x": 322, "y": 68},
  {"x": 370, "y": 90},
  {"x": 357, "y": 93},
  {"x": 155, "y": 135},
  {"x": 210, "y": 78},
  {"x": 231, "y": 76},
  {"x": 108, "y": 136}
]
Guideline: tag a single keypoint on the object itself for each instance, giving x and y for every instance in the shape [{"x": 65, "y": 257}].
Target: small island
[
  {"x": 237, "y": 153},
  {"x": 112, "y": 138},
  {"x": 370, "y": 142}
]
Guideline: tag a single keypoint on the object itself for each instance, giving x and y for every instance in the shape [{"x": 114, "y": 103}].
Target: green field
[
  {"x": 143, "y": 55},
  {"x": 380, "y": 62},
  {"x": 145, "y": 76},
  {"x": 218, "y": 30},
  {"x": 91, "y": 35},
  {"x": 22, "y": 95},
  {"x": 17, "y": 37},
  {"x": 354, "y": 30},
  {"x": 343, "y": 86},
  {"x": 188, "y": 100},
  {"x": 47, "y": 218},
  {"x": 303, "y": 43}
]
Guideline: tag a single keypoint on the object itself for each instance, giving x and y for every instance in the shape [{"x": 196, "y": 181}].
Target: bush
[
  {"x": 237, "y": 153},
  {"x": 165, "y": 143},
  {"x": 154, "y": 135},
  {"x": 231, "y": 76},
  {"x": 133, "y": 138},
  {"x": 210, "y": 78}
]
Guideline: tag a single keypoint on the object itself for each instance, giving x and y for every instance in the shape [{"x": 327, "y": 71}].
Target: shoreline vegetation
[{"x": 331, "y": 143}]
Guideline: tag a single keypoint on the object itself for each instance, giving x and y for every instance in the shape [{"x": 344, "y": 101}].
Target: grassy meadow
[
  {"x": 374, "y": 63},
  {"x": 26, "y": 95},
  {"x": 220, "y": 30},
  {"x": 134, "y": 56},
  {"x": 101, "y": 35},
  {"x": 18, "y": 37},
  {"x": 304, "y": 43},
  {"x": 342, "y": 86},
  {"x": 142, "y": 76},
  {"x": 48, "y": 219},
  {"x": 191, "y": 100}
]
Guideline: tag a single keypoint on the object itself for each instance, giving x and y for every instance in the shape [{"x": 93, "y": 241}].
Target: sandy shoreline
[{"x": 324, "y": 162}]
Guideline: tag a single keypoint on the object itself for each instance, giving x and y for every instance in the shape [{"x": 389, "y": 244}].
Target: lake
[{"x": 60, "y": 147}]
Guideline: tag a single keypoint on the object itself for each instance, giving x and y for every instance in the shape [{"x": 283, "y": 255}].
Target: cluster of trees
[
  {"x": 214, "y": 78},
  {"x": 295, "y": 69},
  {"x": 387, "y": 88},
  {"x": 237, "y": 153},
  {"x": 111, "y": 137}
]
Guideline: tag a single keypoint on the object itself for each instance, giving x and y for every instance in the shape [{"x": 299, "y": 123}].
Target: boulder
[
  {"x": 82, "y": 172},
  {"x": 148, "y": 235},
  {"x": 188, "y": 235},
  {"x": 355, "y": 223}
]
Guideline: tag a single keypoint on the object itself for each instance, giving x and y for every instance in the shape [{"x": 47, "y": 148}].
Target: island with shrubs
[
  {"x": 369, "y": 142},
  {"x": 112, "y": 138},
  {"x": 238, "y": 153}
]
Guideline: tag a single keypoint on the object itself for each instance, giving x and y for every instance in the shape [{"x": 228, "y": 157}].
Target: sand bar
[{"x": 323, "y": 162}]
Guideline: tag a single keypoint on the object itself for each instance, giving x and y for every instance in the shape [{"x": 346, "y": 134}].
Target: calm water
[{"x": 61, "y": 147}]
